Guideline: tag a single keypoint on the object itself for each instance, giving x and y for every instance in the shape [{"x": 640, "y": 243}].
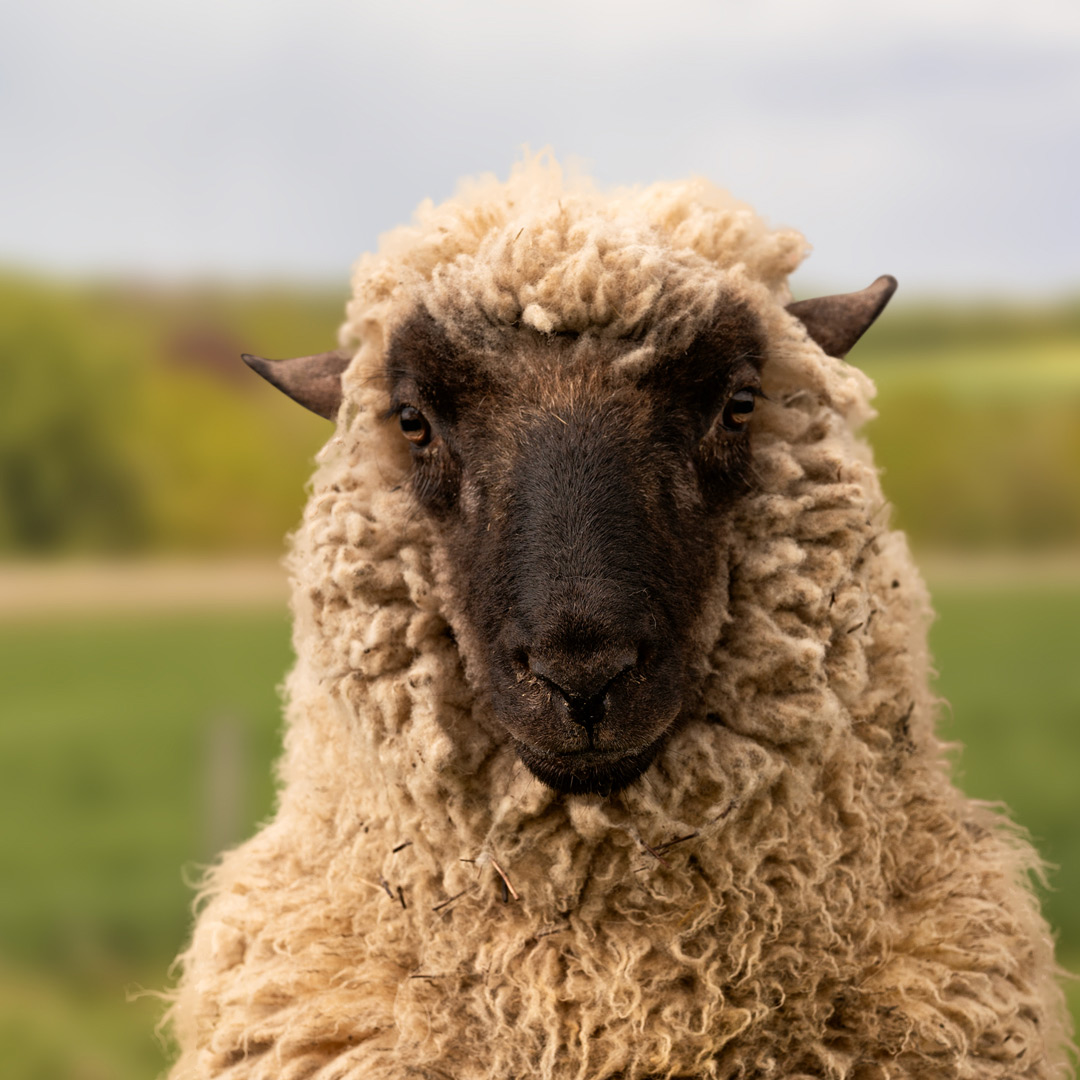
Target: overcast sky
[{"x": 938, "y": 140}]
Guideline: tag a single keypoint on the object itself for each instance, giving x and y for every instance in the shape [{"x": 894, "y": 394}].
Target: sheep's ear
[
  {"x": 837, "y": 322},
  {"x": 313, "y": 381}
]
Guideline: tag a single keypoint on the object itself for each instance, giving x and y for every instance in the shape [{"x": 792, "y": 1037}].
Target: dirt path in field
[
  {"x": 29, "y": 590},
  {"x": 1001, "y": 570}
]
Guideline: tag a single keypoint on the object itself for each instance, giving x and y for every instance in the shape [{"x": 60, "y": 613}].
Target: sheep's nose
[{"x": 583, "y": 682}]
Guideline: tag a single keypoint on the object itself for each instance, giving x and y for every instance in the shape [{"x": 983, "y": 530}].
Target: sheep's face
[{"x": 576, "y": 488}]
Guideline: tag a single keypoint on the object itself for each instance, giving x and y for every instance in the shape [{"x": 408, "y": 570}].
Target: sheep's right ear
[
  {"x": 313, "y": 381},
  {"x": 837, "y": 322}
]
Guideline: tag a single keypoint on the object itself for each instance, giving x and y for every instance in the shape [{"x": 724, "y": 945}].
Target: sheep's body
[{"x": 818, "y": 900}]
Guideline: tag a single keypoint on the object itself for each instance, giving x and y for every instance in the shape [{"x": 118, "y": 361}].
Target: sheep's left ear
[
  {"x": 313, "y": 381},
  {"x": 837, "y": 322}
]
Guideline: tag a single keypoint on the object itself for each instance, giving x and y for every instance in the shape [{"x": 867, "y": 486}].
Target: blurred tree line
[{"x": 128, "y": 423}]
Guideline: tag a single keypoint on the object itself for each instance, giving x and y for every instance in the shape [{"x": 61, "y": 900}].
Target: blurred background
[{"x": 183, "y": 182}]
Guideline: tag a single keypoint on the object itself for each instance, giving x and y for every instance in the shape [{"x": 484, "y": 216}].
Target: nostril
[
  {"x": 546, "y": 674},
  {"x": 543, "y": 670},
  {"x": 583, "y": 682}
]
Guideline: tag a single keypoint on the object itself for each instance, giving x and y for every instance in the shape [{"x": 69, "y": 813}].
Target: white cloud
[{"x": 248, "y": 136}]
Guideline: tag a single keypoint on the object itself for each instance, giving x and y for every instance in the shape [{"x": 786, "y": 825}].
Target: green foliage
[
  {"x": 107, "y": 790},
  {"x": 127, "y": 421},
  {"x": 66, "y": 480},
  {"x": 909, "y": 330},
  {"x": 980, "y": 447}
]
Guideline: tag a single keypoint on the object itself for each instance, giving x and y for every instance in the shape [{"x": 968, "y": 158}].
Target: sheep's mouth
[{"x": 588, "y": 772}]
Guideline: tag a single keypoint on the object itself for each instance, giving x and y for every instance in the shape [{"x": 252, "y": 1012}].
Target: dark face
[{"x": 579, "y": 502}]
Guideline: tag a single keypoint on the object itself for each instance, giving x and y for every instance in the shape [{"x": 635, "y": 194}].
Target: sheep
[{"x": 610, "y": 741}]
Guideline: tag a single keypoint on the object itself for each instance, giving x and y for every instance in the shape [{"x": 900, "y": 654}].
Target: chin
[{"x": 589, "y": 772}]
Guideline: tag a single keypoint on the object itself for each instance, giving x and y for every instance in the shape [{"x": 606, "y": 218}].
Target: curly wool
[{"x": 794, "y": 890}]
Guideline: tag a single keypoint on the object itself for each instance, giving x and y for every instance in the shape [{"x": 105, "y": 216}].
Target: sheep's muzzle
[
  {"x": 582, "y": 581},
  {"x": 588, "y": 704}
]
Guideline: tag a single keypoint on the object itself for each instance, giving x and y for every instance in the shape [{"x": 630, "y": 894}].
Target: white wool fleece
[{"x": 794, "y": 890}]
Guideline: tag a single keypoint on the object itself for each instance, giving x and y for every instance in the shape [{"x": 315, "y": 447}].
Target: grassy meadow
[
  {"x": 117, "y": 732},
  {"x": 135, "y": 745}
]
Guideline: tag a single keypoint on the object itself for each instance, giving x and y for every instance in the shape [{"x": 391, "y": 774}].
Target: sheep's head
[{"x": 578, "y": 486}]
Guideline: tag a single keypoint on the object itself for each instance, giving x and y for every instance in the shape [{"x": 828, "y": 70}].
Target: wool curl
[{"x": 795, "y": 890}]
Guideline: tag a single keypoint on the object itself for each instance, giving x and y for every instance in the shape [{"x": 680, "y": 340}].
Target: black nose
[{"x": 583, "y": 681}]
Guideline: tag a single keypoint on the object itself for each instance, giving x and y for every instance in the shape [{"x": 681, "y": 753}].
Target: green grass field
[{"x": 115, "y": 735}]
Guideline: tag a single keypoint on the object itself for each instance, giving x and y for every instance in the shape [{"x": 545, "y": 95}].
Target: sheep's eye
[
  {"x": 738, "y": 410},
  {"x": 414, "y": 426}
]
